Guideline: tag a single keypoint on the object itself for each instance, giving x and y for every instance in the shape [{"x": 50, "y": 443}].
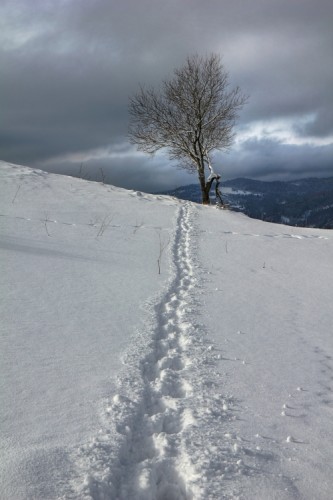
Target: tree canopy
[{"x": 190, "y": 116}]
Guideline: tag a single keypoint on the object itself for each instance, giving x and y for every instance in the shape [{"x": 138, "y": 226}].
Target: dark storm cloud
[
  {"x": 130, "y": 172},
  {"x": 125, "y": 173},
  {"x": 320, "y": 126},
  {"x": 69, "y": 66},
  {"x": 275, "y": 159}
]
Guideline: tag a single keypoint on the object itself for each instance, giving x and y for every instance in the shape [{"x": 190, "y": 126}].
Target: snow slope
[{"x": 210, "y": 380}]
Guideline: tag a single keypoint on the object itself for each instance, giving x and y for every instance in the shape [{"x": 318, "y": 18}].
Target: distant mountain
[{"x": 304, "y": 202}]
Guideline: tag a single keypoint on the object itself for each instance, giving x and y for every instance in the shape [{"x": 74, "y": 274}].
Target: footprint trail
[
  {"x": 165, "y": 433},
  {"x": 154, "y": 456}
]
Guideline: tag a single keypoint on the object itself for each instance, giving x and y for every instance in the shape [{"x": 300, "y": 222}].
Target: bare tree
[{"x": 191, "y": 115}]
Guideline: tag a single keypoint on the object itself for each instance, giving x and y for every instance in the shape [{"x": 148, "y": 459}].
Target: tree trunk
[
  {"x": 203, "y": 185},
  {"x": 205, "y": 189},
  {"x": 205, "y": 197}
]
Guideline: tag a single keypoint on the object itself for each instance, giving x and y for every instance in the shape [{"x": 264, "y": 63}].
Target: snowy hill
[{"x": 152, "y": 348}]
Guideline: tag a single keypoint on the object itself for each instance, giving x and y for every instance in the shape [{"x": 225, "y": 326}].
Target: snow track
[
  {"x": 168, "y": 414},
  {"x": 150, "y": 461},
  {"x": 155, "y": 457}
]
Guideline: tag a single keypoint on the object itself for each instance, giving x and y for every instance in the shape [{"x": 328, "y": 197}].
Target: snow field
[
  {"x": 277, "y": 289},
  {"x": 210, "y": 380},
  {"x": 71, "y": 300}
]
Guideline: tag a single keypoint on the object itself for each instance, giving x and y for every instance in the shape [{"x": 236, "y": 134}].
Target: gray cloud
[
  {"x": 320, "y": 126},
  {"x": 272, "y": 160},
  {"x": 130, "y": 172},
  {"x": 69, "y": 67}
]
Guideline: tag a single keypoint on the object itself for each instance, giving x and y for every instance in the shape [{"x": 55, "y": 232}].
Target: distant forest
[{"x": 303, "y": 202}]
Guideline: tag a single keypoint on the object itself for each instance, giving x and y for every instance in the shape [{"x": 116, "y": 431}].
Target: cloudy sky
[{"x": 68, "y": 68}]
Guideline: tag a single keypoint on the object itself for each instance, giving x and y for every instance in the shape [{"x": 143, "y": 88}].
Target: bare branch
[
  {"x": 190, "y": 116},
  {"x": 46, "y": 220},
  {"x": 163, "y": 244},
  {"x": 104, "y": 224},
  {"x": 19, "y": 187}
]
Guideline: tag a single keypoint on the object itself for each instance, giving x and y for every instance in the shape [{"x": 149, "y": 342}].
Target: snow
[
  {"x": 229, "y": 190},
  {"x": 276, "y": 289},
  {"x": 158, "y": 349}
]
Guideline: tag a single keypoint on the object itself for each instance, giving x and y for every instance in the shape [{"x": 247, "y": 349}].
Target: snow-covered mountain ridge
[
  {"x": 304, "y": 202},
  {"x": 158, "y": 349}
]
